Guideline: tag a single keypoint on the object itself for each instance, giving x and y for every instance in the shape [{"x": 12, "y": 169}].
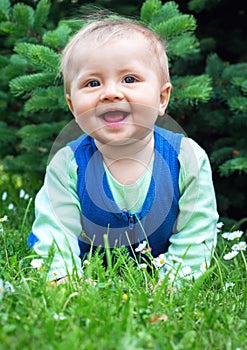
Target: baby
[{"x": 125, "y": 179}]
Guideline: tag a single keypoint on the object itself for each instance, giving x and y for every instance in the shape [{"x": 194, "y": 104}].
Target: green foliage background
[{"x": 209, "y": 98}]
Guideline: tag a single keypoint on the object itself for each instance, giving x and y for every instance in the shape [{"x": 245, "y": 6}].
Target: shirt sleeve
[
  {"x": 194, "y": 239},
  {"x": 57, "y": 216}
]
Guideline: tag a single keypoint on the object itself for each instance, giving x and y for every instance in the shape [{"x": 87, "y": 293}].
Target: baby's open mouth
[{"x": 114, "y": 117}]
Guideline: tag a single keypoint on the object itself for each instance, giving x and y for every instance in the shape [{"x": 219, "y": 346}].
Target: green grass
[{"x": 116, "y": 308}]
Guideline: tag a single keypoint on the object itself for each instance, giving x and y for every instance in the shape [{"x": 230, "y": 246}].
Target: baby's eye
[
  {"x": 129, "y": 80},
  {"x": 93, "y": 83}
]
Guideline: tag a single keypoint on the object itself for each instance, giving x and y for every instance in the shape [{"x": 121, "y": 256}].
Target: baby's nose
[{"x": 111, "y": 92}]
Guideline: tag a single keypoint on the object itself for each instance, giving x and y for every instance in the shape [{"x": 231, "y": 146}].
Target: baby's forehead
[
  {"x": 103, "y": 37},
  {"x": 125, "y": 49}
]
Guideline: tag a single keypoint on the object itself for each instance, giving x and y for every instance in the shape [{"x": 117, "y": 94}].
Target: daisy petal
[{"x": 230, "y": 255}]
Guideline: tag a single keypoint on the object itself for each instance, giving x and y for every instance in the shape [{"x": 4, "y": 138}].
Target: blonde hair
[{"x": 106, "y": 29}]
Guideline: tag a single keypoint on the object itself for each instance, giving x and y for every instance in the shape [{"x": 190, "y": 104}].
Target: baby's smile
[{"x": 114, "y": 118}]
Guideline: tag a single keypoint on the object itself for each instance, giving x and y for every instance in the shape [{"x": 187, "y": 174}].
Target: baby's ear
[
  {"x": 164, "y": 97},
  {"x": 68, "y": 99}
]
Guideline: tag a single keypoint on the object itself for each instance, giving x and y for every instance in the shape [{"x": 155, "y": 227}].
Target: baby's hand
[
  {"x": 65, "y": 279},
  {"x": 62, "y": 280}
]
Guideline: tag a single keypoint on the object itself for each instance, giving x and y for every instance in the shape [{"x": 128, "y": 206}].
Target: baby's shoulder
[
  {"x": 191, "y": 147},
  {"x": 63, "y": 161}
]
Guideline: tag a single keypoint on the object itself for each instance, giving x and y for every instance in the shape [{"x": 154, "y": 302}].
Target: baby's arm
[
  {"x": 58, "y": 219},
  {"x": 196, "y": 234}
]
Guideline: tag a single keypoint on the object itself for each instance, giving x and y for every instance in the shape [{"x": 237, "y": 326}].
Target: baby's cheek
[{"x": 87, "y": 122}]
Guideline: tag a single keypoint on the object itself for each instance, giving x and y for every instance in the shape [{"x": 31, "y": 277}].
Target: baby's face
[{"x": 116, "y": 91}]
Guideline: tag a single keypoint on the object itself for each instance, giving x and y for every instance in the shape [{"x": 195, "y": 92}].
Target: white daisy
[
  {"x": 159, "y": 261},
  {"x": 230, "y": 255},
  {"x": 141, "y": 246},
  {"x": 187, "y": 270},
  {"x": 37, "y": 263}
]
